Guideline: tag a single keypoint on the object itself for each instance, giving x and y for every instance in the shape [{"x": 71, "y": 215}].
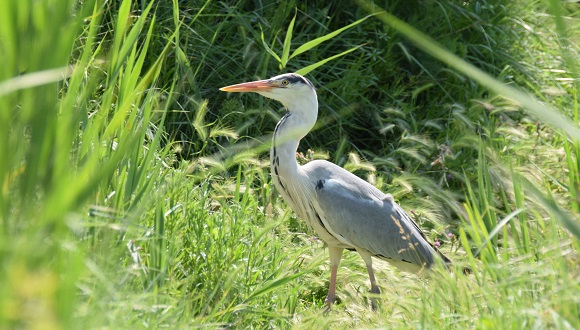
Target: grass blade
[
  {"x": 313, "y": 43},
  {"x": 565, "y": 218},
  {"x": 306, "y": 70},
  {"x": 268, "y": 49},
  {"x": 33, "y": 79},
  {"x": 497, "y": 228},
  {"x": 199, "y": 121},
  {"x": 274, "y": 284},
  {"x": 287, "y": 43}
]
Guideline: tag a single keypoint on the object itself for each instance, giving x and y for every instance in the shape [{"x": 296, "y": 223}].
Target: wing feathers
[{"x": 365, "y": 218}]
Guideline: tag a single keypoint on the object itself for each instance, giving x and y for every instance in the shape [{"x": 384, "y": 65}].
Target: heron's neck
[
  {"x": 294, "y": 125},
  {"x": 283, "y": 150},
  {"x": 287, "y": 135}
]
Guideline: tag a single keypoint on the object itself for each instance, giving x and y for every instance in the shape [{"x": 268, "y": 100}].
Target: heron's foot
[
  {"x": 374, "y": 305},
  {"x": 374, "y": 291},
  {"x": 330, "y": 300}
]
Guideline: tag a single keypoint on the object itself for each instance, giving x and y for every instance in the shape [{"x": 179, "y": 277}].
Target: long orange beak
[{"x": 254, "y": 86}]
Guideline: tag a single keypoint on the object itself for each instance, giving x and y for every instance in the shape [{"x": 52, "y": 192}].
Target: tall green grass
[
  {"x": 133, "y": 195},
  {"x": 76, "y": 132}
]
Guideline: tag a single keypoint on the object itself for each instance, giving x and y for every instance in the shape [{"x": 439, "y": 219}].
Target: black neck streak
[{"x": 276, "y": 157}]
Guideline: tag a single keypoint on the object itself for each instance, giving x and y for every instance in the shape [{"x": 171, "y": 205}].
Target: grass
[{"x": 134, "y": 195}]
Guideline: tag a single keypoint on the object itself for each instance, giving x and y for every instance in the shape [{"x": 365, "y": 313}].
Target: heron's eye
[{"x": 285, "y": 82}]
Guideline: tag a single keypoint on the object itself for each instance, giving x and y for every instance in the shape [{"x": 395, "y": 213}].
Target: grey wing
[{"x": 370, "y": 220}]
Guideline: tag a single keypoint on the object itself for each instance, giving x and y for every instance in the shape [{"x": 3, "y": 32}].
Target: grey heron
[{"x": 344, "y": 210}]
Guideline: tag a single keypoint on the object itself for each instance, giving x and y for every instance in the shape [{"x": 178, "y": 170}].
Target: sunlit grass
[{"x": 132, "y": 195}]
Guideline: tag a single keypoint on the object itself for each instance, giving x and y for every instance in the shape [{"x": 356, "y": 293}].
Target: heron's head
[{"x": 290, "y": 89}]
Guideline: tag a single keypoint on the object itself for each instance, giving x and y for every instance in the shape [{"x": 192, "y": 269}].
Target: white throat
[{"x": 293, "y": 126}]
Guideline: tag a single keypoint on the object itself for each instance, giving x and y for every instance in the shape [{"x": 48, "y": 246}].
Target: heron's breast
[{"x": 300, "y": 195}]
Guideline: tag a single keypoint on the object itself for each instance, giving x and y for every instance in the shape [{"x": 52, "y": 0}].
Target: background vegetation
[{"x": 133, "y": 194}]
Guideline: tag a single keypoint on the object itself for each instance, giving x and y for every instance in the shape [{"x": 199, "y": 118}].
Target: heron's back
[{"x": 359, "y": 215}]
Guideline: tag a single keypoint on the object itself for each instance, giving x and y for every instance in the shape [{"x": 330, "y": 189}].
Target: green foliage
[
  {"x": 283, "y": 60},
  {"x": 134, "y": 195},
  {"x": 68, "y": 142}
]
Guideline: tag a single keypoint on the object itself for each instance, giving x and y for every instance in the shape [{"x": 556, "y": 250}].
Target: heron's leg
[
  {"x": 374, "y": 287},
  {"x": 335, "y": 256}
]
